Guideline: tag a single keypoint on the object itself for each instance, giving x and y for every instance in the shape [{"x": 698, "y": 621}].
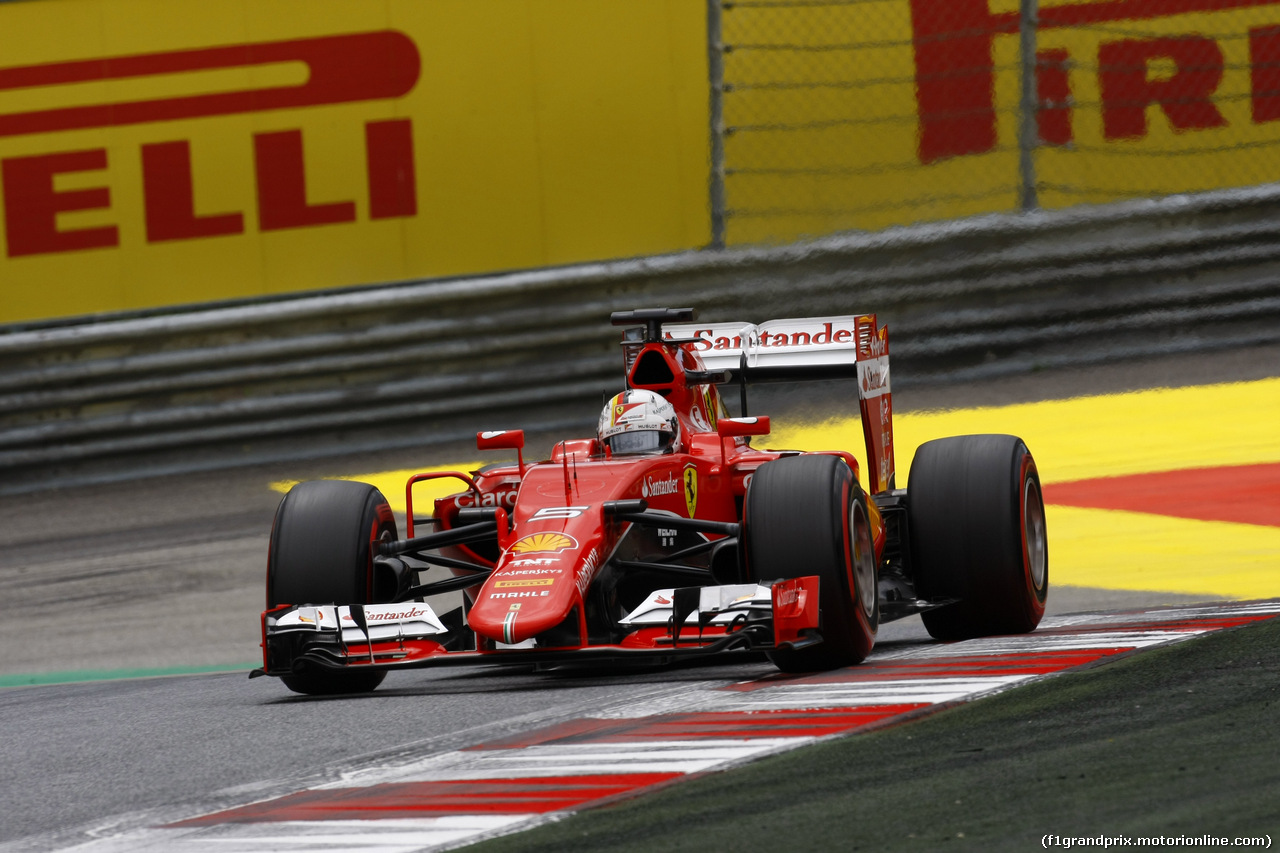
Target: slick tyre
[
  {"x": 321, "y": 552},
  {"x": 807, "y": 515},
  {"x": 977, "y": 532}
]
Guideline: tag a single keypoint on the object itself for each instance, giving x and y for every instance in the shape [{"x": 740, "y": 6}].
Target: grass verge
[
  {"x": 71, "y": 676},
  {"x": 1177, "y": 741}
]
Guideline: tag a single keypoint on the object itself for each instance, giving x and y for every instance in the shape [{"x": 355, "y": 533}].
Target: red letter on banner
[
  {"x": 169, "y": 198},
  {"x": 32, "y": 205},
  {"x": 282, "y": 186},
  {"x": 1053, "y": 88},
  {"x": 955, "y": 77},
  {"x": 1264, "y": 57},
  {"x": 1186, "y": 97},
  {"x": 389, "y": 151}
]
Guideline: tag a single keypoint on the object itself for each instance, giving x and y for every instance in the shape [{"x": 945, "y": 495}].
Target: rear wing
[{"x": 804, "y": 349}]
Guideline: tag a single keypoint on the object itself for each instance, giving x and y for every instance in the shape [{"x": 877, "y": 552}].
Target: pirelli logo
[
  {"x": 297, "y": 73},
  {"x": 524, "y": 583},
  {"x": 1187, "y": 68}
]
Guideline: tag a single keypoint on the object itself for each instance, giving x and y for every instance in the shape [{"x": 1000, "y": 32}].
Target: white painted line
[
  {"x": 572, "y": 760},
  {"x": 871, "y": 693},
  {"x": 394, "y": 835},
  {"x": 1029, "y": 643}
]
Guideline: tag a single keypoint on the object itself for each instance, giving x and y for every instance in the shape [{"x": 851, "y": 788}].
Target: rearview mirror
[
  {"x": 734, "y": 427},
  {"x": 503, "y": 439},
  {"x": 500, "y": 439}
]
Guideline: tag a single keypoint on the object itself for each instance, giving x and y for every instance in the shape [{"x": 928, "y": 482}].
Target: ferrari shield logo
[{"x": 691, "y": 489}]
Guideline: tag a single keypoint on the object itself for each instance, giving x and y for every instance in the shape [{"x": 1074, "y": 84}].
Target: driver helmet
[{"x": 639, "y": 421}]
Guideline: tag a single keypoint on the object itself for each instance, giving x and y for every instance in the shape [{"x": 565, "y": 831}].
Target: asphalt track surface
[{"x": 166, "y": 575}]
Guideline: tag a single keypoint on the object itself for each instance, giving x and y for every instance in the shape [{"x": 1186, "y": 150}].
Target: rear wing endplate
[{"x": 805, "y": 349}]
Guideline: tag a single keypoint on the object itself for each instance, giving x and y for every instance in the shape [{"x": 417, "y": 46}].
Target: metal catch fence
[{"x": 838, "y": 115}]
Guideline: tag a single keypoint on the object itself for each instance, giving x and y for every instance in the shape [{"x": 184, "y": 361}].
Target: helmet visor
[{"x": 638, "y": 441}]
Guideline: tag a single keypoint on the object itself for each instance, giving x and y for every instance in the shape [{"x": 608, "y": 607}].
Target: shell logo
[{"x": 543, "y": 543}]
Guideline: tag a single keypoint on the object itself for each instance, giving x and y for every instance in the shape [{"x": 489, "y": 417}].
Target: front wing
[{"x": 670, "y": 624}]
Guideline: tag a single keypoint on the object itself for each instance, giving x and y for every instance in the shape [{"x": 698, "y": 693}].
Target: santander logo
[
  {"x": 653, "y": 487},
  {"x": 392, "y": 616}
]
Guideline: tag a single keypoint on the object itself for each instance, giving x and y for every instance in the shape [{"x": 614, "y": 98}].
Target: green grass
[
  {"x": 1183, "y": 740},
  {"x": 70, "y": 676}
]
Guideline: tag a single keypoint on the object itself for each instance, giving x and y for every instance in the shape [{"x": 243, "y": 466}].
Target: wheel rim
[
  {"x": 864, "y": 563},
  {"x": 1033, "y": 534}
]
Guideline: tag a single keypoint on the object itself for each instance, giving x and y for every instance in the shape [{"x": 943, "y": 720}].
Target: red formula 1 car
[{"x": 667, "y": 534}]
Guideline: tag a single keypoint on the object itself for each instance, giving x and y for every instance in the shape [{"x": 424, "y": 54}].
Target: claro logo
[{"x": 339, "y": 69}]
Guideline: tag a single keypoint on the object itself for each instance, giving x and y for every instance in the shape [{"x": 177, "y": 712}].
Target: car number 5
[{"x": 558, "y": 512}]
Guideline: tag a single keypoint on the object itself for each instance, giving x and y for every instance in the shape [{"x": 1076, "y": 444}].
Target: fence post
[
  {"x": 715, "y": 74},
  {"x": 1029, "y": 106}
]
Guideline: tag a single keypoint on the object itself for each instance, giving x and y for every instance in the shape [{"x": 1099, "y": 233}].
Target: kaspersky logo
[{"x": 307, "y": 72}]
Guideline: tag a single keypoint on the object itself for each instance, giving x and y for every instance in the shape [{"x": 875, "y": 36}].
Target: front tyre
[
  {"x": 977, "y": 529},
  {"x": 322, "y": 546},
  {"x": 807, "y": 515}
]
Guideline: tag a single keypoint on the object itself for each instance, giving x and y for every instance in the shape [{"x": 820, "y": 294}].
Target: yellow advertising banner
[
  {"x": 862, "y": 115},
  {"x": 155, "y": 153}
]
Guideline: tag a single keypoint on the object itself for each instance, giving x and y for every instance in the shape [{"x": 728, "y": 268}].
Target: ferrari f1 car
[{"x": 668, "y": 534}]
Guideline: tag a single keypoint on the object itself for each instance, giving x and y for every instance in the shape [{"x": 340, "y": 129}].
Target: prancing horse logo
[{"x": 691, "y": 489}]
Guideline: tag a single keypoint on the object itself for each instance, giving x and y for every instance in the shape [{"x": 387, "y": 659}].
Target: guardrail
[{"x": 431, "y": 361}]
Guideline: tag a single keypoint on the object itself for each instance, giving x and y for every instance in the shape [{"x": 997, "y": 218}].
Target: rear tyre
[
  {"x": 977, "y": 530},
  {"x": 321, "y": 552},
  {"x": 807, "y": 515}
]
